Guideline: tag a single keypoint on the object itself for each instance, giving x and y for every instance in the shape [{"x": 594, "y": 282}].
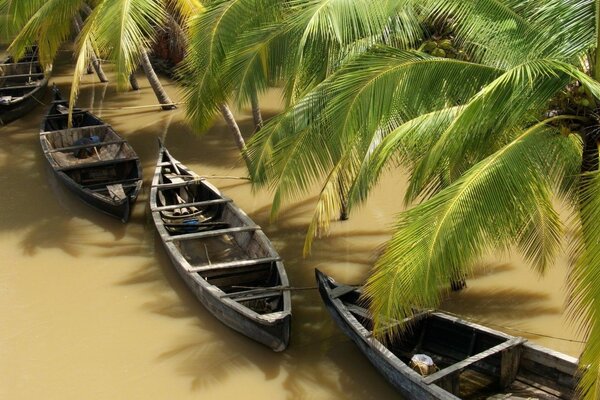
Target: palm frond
[
  {"x": 51, "y": 21},
  {"x": 406, "y": 144},
  {"x": 488, "y": 207},
  {"x": 123, "y": 28},
  {"x": 584, "y": 291},
  {"x": 509, "y": 101}
]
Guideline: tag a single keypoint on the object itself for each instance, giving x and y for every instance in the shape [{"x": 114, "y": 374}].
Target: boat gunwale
[{"x": 213, "y": 290}]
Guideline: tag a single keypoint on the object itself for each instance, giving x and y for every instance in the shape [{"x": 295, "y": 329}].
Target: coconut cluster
[
  {"x": 575, "y": 99},
  {"x": 444, "y": 47}
]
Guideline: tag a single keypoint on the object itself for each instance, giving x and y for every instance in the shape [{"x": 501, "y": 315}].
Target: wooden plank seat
[
  {"x": 33, "y": 61},
  {"x": 360, "y": 311},
  {"x": 163, "y": 186},
  {"x": 341, "y": 290},
  {"x": 80, "y": 129},
  {"x": 122, "y": 181},
  {"x": 235, "y": 263},
  {"x": 217, "y": 232},
  {"x": 61, "y": 115},
  {"x": 7, "y": 88},
  {"x": 84, "y": 146},
  {"x": 167, "y": 164},
  {"x": 104, "y": 188},
  {"x": 21, "y": 75},
  {"x": 448, "y": 378},
  {"x": 97, "y": 164},
  {"x": 193, "y": 204},
  {"x": 254, "y": 294}
]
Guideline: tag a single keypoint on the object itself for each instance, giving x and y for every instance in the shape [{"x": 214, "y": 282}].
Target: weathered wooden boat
[
  {"x": 91, "y": 159},
  {"x": 456, "y": 359},
  {"x": 23, "y": 84},
  {"x": 221, "y": 254}
]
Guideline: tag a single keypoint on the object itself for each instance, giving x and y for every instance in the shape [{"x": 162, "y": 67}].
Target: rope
[
  {"x": 138, "y": 107},
  {"x": 276, "y": 288},
  {"x": 517, "y": 330}
]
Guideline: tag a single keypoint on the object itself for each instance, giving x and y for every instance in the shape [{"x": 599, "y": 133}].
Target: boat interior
[
  {"x": 16, "y": 79},
  {"x": 217, "y": 243},
  {"x": 472, "y": 362},
  {"x": 94, "y": 157}
]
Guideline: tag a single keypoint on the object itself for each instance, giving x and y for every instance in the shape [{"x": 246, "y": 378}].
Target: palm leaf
[{"x": 488, "y": 208}]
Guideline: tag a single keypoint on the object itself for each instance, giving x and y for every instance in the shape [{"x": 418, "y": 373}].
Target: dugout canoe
[
  {"x": 23, "y": 84},
  {"x": 470, "y": 361},
  {"x": 91, "y": 159},
  {"x": 222, "y": 255}
]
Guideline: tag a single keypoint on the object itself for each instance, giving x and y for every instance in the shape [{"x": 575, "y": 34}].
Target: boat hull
[
  {"x": 111, "y": 163},
  {"x": 16, "y": 110},
  {"x": 116, "y": 209},
  {"x": 509, "y": 363},
  {"x": 275, "y": 335},
  {"x": 221, "y": 285}
]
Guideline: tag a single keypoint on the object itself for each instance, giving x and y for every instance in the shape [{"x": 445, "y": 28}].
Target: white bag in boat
[{"x": 423, "y": 364}]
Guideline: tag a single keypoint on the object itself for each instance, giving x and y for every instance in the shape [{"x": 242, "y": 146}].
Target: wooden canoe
[
  {"x": 221, "y": 254},
  {"x": 471, "y": 361},
  {"x": 105, "y": 174},
  {"x": 23, "y": 84}
]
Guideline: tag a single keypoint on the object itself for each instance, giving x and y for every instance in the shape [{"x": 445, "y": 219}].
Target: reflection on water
[{"x": 92, "y": 308}]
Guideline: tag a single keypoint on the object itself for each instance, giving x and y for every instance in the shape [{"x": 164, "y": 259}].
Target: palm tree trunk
[
  {"x": 159, "y": 91},
  {"x": 133, "y": 81},
  {"x": 234, "y": 128},
  {"x": 256, "y": 114},
  {"x": 590, "y": 156},
  {"x": 78, "y": 23}
]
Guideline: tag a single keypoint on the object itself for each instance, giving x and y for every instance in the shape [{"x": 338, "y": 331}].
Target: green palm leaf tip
[
  {"x": 122, "y": 29},
  {"x": 213, "y": 33},
  {"x": 488, "y": 208},
  {"x": 510, "y": 99},
  {"x": 584, "y": 291},
  {"x": 50, "y": 20},
  {"x": 328, "y": 118}
]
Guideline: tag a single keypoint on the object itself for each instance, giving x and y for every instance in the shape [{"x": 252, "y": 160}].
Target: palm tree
[
  {"x": 236, "y": 54},
  {"x": 494, "y": 115},
  {"x": 117, "y": 30}
]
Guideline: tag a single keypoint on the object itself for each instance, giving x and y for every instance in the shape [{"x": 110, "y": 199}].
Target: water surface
[{"x": 91, "y": 308}]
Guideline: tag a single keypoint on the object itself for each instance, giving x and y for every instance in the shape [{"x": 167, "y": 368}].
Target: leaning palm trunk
[
  {"x": 256, "y": 114},
  {"x": 78, "y": 23},
  {"x": 133, "y": 81},
  {"x": 234, "y": 128},
  {"x": 159, "y": 91}
]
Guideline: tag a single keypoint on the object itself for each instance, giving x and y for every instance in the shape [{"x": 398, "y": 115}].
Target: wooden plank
[
  {"x": 78, "y": 129},
  {"x": 84, "y": 146},
  {"x": 97, "y": 164},
  {"x": 259, "y": 292},
  {"x": 166, "y": 164},
  {"x": 20, "y": 87},
  {"x": 114, "y": 182},
  {"x": 217, "y": 232},
  {"x": 34, "y": 61},
  {"x": 162, "y": 186},
  {"x": 235, "y": 263},
  {"x": 459, "y": 366},
  {"x": 509, "y": 365},
  {"x": 360, "y": 311},
  {"x": 340, "y": 291},
  {"x": 21, "y": 75},
  {"x": 104, "y": 188},
  {"x": 194, "y": 204}
]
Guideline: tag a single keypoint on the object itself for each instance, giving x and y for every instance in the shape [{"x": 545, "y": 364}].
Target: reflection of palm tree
[{"x": 499, "y": 119}]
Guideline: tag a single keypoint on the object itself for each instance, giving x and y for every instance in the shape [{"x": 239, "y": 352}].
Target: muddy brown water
[{"x": 91, "y": 308}]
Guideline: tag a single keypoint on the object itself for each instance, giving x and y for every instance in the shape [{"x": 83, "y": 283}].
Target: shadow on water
[{"x": 515, "y": 304}]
